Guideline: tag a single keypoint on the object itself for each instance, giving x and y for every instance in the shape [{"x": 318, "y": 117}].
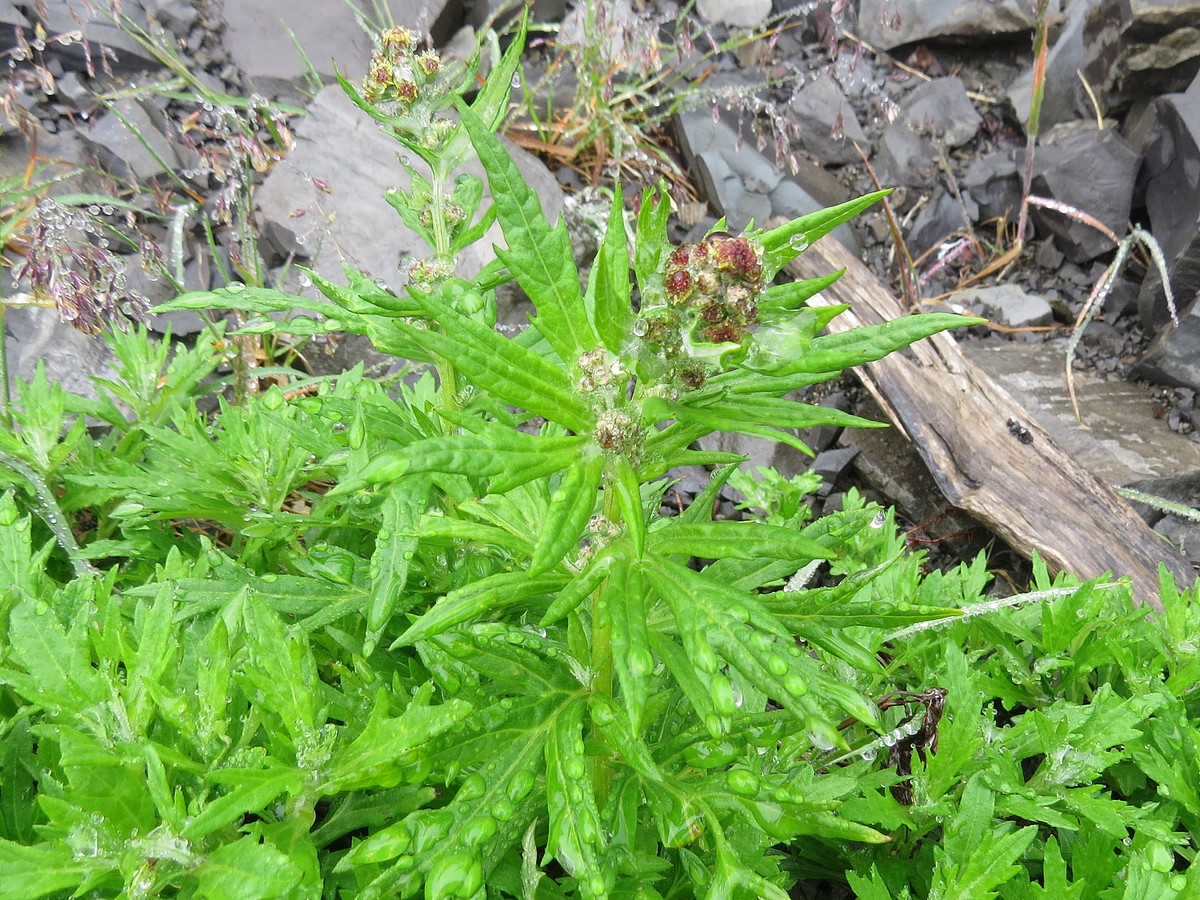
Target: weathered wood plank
[{"x": 986, "y": 453}]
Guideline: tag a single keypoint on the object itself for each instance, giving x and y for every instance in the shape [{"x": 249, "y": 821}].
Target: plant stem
[
  {"x": 6, "y": 396},
  {"x": 1040, "y": 52},
  {"x": 602, "y": 664},
  {"x": 439, "y": 179}
]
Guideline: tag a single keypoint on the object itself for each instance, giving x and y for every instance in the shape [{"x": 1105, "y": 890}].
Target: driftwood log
[{"x": 986, "y": 454}]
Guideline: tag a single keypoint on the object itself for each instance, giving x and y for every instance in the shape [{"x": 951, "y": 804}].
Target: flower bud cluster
[
  {"x": 710, "y": 293},
  {"x": 411, "y": 85},
  {"x": 716, "y": 283},
  {"x": 424, "y": 273},
  {"x": 618, "y": 432},
  {"x": 599, "y": 369},
  {"x": 398, "y": 72}
]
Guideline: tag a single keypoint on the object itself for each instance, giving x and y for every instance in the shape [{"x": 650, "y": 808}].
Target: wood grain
[{"x": 986, "y": 453}]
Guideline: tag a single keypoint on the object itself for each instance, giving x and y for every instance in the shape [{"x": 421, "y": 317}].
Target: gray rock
[
  {"x": 72, "y": 91},
  {"x": 1088, "y": 43},
  {"x": 830, "y": 464},
  {"x": 1169, "y": 64},
  {"x": 737, "y": 13},
  {"x": 100, "y": 30},
  {"x": 829, "y": 128},
  {"x": 1106, "y": 193},
  {"x": 259, "y": 38},
  {"x": 904, "y": 158},
  {"x": 1154, "y": 18},
  {"x": 1172, "y": 179},
  {"x": 940, "y": 220},
  {"x": 176, "y": 15},
  {"x": 1009, "y": 305},
  {"x": 994, "y": 181},
  {"x": 890, "y": 23},
  {"x": 11, "y": 18},
  {"x": 941, "y": 108},
  {"x": 129, "y": 142},
  {"x": 1183, "y": 533},
  {"x": 327, "y": 197},
  {"x": 1171, "y": 357},
  {"x": 72, "y": 358},
  {"x": 739, "y": 205},
  {"x": 742, "y": 184},
  {"x": 482, "y": 11}
]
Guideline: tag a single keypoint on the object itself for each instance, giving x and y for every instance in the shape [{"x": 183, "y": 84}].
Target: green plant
[
  {"x": 362, "y": 643},
  {"x": 626, "y": 82}
]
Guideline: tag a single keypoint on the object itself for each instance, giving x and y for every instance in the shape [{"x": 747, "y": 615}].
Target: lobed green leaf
[{"x": 538, "y": 255}]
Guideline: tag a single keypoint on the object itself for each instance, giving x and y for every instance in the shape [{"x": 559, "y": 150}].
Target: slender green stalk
[
  {"x": 602, "y": 663},
  {"x": 48, "y": 510},
  {"x": 6, "y": 396},
  {"x": 1040, "y": 51}
]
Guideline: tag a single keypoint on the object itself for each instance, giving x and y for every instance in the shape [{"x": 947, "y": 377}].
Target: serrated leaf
[
  {"x": 571, "y": 507},
  {"x": 785, "y": 243},
  {"x": 540, "y": 256},
  {"x": 836, "y": 352},
  {"x": 404, "y": 504},
  {"x": 979, "y": 855},
  {"x": 249, "y": 790},
  {"x": 57, "y": 666},
  {"x": 509, "y": 370},
  {"x": 488, "y": 594},
  {"x": 623, "y": 602},
  {"x": 793, "y": 293},
  {"x": 611, "y": 309},
  {"x": 651, "y": 234},
  {"x": 623, "y": 481},
  {"x": 27, "y": 873},
  {"x": 736, "y": 540},
  {"x": 280, "y": 670},
  {"x": 711, "y": 615},
  {"x": 362, "y": 296},
  {"x": 155, "y": 653},
  {"x": 578, "y": 588},
  {"x": 250, "y": 299},
  {"x": 705, "y": 420},
  {"x": 574, "y": 838},
  {"x": 511, "y": 458},
  {"x": 622, "y": 737},
  {"x": 379, "y": 755},
  {"x": 106, "y": 783},
  {"x": 248, "y": 870}
]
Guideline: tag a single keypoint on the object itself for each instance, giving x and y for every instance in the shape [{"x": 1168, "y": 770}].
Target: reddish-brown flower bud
[
  {"x": 679, "y": 287},
  {"x": 724, "y": 333},
  {"x": 737, "y": 257}
]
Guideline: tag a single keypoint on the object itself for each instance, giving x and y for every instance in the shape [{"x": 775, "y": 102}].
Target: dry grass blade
[{"x": 911, "y": 297}]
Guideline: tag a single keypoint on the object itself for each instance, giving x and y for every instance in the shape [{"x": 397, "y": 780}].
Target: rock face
[
  {"x": 829, "y": 127},
  {"x": 129, "y": 142},
  {"x": 1172, "y": 177},
  {"x": 738, "y": 13},
  {"x": 743, "y": 183},
  {"x": 1088, "y": 44},
  {"x": 326, "y": 201},
  {"x": 942, "y": 110},
  {"x": 891, "y": 23},
  {"x": 1106, "y": 194},
  {"x": 1009, "y": 305},
  {"x": 99, "y": 31},
  {"x": 259, "y": 35}
]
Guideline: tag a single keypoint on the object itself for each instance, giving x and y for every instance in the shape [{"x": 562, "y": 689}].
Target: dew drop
[{"x": 742, "y": 782}]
